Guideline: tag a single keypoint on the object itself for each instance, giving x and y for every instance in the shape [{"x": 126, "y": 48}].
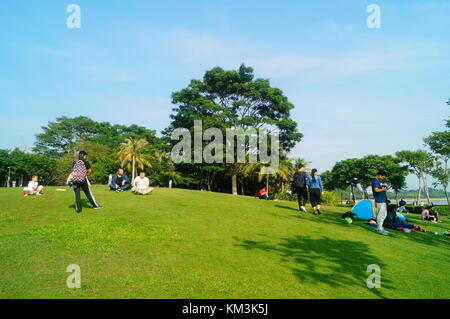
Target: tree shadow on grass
[{"x": 336, "y": 263}]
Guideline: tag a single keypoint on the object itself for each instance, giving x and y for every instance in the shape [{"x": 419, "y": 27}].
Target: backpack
[
  {"x": 79, "y": 172},
  {"x": 299, "y": 180}
]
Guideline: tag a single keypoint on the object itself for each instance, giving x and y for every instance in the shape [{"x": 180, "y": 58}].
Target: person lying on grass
[
  {"x": 430, "y": 214},
  {"x": 33, "y": 187},
  {"x": 141, "y": 185},
  {"x": 396, "y": 221}
]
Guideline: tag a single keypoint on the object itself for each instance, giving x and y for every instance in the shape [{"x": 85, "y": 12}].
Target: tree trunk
[
  {"x": 366, "y": 195},
  {"x": 419, "y": 191},
  {"x": 234, "y": 184},
  {"x": 133, "y": 172},
  {"x": 396, "y": 197},
  {"x": 425, "y": 188},
  {"x": 241, "y": 181},
  {"x": 446, "y": 194},
  {"x": 353, "y": 193}
]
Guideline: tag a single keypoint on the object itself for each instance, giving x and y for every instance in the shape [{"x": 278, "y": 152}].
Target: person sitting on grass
[
  {"x": 263, "y": 194},
  {"x": 430, "y": 215},
  {"x": 33, "y": 187},
  {"x": 141, "y": 185},
  {"x": 120, "y": 182},
  {"x": 402, "y": 208}
]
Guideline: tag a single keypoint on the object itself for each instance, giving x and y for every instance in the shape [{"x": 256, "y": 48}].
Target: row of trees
[
  {"x": 356, "y": 173},
  {"x": 222, "y": 99},
  {"x": 353, "y": 173}
]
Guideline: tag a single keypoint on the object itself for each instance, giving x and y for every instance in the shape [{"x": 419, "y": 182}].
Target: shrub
[{"x": 330, "y": 199}]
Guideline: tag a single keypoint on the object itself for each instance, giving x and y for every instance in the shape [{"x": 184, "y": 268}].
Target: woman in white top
[
  {"x": 33, "y": 187},
  {"x": 141, "y": 185}
]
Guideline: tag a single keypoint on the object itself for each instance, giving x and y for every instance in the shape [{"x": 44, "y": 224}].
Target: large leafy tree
[
  {"x": 63, "y": 135},
  {"x": 419, "y": 163},
  {"x": 368, "y": 166},
  {"x": 344, "y": 175},
  {"x": 439, "y": 143},
  {"x": 235, "y": 99}
]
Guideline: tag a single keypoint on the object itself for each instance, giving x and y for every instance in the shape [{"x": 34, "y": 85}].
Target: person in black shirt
[
  {"x": 299, "y": 187},
  {"x": 80, "y": 170}
]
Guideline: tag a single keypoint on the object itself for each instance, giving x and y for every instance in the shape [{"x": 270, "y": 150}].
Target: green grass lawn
[{"x": 189, "y": 244}]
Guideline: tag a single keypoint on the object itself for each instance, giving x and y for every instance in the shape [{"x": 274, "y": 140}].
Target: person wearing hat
[{"x": 379, "y": 193}]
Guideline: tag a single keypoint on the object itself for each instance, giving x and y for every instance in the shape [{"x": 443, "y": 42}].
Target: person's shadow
[
  {"x": 286, "y": 207},
  {"x": 325, "y": 260},
  {"x": 84, "y": 204}
]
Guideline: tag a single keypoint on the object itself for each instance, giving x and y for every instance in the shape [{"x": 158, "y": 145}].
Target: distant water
[{"x": 434, "y": 201}]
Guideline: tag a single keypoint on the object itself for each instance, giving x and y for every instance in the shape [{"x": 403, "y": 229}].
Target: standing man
[
  {"x": 299, "y": 186},
  {"x": 379, "y": 193}
]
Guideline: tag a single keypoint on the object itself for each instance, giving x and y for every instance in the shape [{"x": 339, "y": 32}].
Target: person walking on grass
[
  {"x": 315, "y": 191},
  {"x": 379, "y": 193},
  {"x": 299, "y": 187},
  {"x": 79, "y": 177}
]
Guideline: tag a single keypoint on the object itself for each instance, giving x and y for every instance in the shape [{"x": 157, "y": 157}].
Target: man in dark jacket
[
  {"x": 120, "y": 181},
  {"x": 299, "y": 187}
]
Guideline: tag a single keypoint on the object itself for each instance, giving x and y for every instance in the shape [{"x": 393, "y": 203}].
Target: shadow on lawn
[
  {"x": 84, "y": 204},
  {"x": 286, "y": 207},
  {"x": 333, "y": 262}
]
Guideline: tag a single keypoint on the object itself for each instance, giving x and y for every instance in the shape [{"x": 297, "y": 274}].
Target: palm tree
[{"x": 131, "y": 154}]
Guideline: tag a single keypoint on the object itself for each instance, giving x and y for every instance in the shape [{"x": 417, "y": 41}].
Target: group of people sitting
[
  {"x": 430, "y": 214},
  {"x": 120, "y": 182}
]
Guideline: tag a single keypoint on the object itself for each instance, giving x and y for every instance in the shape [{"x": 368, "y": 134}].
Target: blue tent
[{"x": 363, "y": 209}]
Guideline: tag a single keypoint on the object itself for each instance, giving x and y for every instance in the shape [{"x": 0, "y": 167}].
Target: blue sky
[{"x": 357, "y": 90}]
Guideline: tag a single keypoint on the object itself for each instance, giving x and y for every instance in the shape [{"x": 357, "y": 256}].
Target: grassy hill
[{"x": 189, "y": 244}]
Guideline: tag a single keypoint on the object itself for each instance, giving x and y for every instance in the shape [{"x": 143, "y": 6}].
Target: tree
[
  {"x": 447, "y": 123},
  {"x": 419, "y": 163},
  {"x": 442, "y": 176},
  {"x": 345, "y": 175},
  {"x": 368, "y": 166},
  {"x": 131, "y": 154},
  {"x": 397, "y": 179},
  {"x": 162, "y": 169},
  {"x": 439, "y": 143},
  {"x": 63, "y": 135},
  {"x": 234, "y": 99}
]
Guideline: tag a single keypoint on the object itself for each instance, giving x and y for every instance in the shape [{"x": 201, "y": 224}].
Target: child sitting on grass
[{"x": 33, "y": 187}]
